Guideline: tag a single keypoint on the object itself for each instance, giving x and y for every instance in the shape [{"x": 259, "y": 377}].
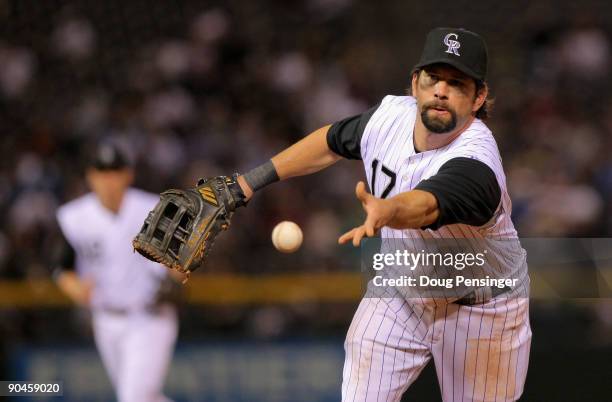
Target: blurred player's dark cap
[
  {"x": 109, "y": 155},
  {"x": 462, "y": 49}
]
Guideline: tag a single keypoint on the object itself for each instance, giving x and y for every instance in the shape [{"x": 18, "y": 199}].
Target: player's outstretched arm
[
  {"x": 182, "y": 227},
  {"x": 464, "y": 190},
  {"x": 412, "y": 209},
  {"x": 309, "y": 155}
]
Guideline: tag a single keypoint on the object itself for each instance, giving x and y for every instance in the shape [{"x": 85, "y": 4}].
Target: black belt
[
  {"x": 154, "y": 309},
  {"x": 482, "y": 295}
]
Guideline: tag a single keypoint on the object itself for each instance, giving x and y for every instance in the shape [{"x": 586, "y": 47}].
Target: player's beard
[{"x": 437, "y": 124}]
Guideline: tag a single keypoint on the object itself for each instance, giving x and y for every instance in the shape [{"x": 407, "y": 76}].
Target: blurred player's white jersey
[{"x": 102, "y": 242}]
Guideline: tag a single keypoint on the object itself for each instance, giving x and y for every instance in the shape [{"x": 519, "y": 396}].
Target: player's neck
[
  {"x": 113, "y": 204},
  {"x": 425, "y": 140}
]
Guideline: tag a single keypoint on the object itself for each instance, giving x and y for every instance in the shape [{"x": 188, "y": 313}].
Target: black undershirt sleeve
[
  {"x": 63, "y": 255},
  {"x": 467, "y": 192},
  {"x": 344, "y": 136}
]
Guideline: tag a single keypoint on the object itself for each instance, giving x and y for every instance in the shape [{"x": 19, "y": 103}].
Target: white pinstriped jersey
[
  {"x": 387, "y": 150},
  {"x": 393, "y": 165},
  {"x": 102, "y": 242}
]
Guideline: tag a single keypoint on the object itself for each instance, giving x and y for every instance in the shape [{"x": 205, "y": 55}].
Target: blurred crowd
[{"x": 201, "y": 89}]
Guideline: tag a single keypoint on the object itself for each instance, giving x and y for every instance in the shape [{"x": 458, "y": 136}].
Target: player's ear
[
  {"x": 129, "y": 176},
  {"x": 482, "y": 91},
  {"x": 90, "y": 176}
]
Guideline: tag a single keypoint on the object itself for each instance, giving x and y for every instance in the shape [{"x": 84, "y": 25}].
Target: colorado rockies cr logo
[{"x": 453, "y": 44}]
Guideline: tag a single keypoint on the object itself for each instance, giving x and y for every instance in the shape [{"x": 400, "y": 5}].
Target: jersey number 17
[{"x": 388, "y": 172}]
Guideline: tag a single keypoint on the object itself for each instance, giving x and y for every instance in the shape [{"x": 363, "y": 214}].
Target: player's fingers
[
  {"x": 369, "y": 225},
  {"x": 358, "y": 235},
  {"x": 361, "y": 192},
  {"x": 347, "y": 236}
]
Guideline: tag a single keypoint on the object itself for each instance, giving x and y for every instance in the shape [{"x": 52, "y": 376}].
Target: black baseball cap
[
  {"x": 460, "y": 48},
  {"x": 109, "y": 155}
]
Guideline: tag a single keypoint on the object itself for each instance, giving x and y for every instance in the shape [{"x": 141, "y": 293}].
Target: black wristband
[{"x": 261, "y": 176}]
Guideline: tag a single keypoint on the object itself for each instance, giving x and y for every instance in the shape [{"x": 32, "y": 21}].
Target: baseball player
[
  {"x": 134, "y": 328},
  {"x": 434, "y": 172}
]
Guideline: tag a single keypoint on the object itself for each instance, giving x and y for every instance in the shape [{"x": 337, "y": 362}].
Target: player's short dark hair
[
  {"x": 485, "y": 110},
  {"x": 487, "y": 106}
]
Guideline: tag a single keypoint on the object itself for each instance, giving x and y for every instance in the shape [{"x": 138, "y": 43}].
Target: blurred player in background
[{"x": 134, "y": 324}]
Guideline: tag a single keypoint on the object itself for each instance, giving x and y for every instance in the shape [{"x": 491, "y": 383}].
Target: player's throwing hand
[{"x": 379, "y": 213}]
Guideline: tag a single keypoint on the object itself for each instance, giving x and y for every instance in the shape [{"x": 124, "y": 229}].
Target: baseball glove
[{"x": 182, "y": 227}]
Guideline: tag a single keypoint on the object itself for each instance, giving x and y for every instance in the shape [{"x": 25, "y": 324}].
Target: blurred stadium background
[{"x": 209, "y": 87}]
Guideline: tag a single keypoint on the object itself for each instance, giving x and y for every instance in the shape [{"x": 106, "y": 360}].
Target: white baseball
[{"x": 287, "y": 237}]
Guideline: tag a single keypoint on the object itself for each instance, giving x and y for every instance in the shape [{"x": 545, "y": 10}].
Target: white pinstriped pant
[
  {"x": 136, "y": 350},
  {"x": 481, "y": 352}
]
